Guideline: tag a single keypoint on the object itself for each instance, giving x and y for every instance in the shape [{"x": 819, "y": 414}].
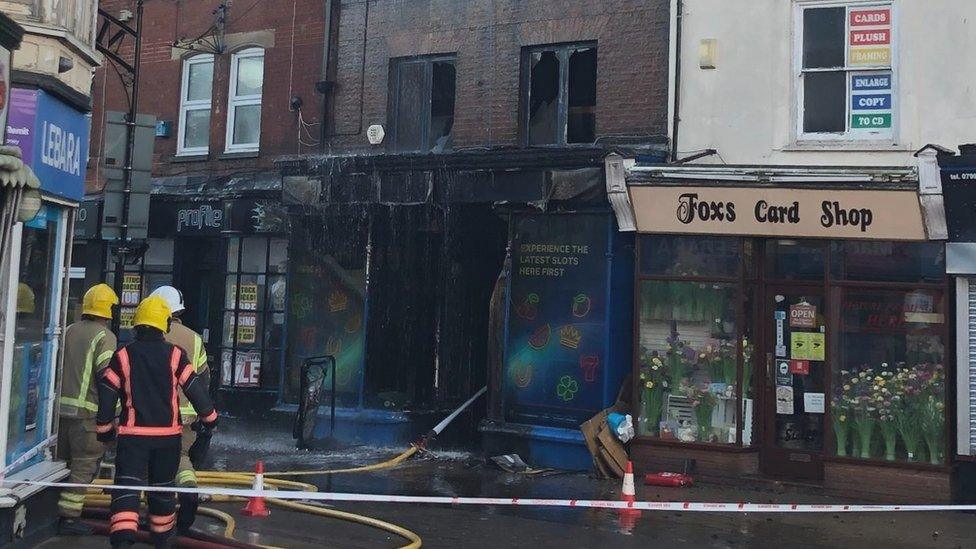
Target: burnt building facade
[{"x": 454, "y": 228}]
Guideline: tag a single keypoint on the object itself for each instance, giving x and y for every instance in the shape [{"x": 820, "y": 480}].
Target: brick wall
[
  {"x": 487, "y": 38},
  {"x": 293, "y": 30}
]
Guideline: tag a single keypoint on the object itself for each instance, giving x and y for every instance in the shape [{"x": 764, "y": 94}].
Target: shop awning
[
  {"x": 13, "y": 171},
  {"x": 777, "y": 201}
]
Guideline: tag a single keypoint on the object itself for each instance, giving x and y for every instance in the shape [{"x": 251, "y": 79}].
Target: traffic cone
[
  {"x": 627, "y": 492},
  {"x": 255, "y": 506}
]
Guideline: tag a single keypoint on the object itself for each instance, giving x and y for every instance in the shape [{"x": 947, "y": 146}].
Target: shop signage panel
[
  {"x": 53, "y": 138},
  {"x": 555, "y": 359},
  {"x": 959, "y": 190},
  {"x": 869, "y": 40},
  {"x": 779, "y": 212}
]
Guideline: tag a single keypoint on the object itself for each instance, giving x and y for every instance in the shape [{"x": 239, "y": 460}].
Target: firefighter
[
  {"x": 192, "y": 344},
  {"x": 88, "y": 346},
  {"x": 144, "y": 376}
]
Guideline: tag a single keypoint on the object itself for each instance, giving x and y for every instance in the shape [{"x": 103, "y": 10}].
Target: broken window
[
  {"x": 423, "y": 92},
  {"x": 561, "y": 95}
]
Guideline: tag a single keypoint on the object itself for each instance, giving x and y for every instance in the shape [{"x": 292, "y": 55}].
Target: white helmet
[{"x": 172, "y": 296}]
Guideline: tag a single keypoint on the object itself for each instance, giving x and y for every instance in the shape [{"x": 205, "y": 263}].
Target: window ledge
[
  {"x": 815, "y": 145},
  {"x": 180, "y": 158},
  {"x": 233, "y": 155}
]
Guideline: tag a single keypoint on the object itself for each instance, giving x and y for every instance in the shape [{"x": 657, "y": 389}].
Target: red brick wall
[
  {"x": 292, "y": 67},
  {"x": 488, "y": 37}
]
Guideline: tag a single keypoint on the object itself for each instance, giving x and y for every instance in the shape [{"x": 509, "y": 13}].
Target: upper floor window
[
  {"x": 559, "y": 94},
  {"x": 244, "y": 100},
  {"x": 422, "y": 96},
  {"x": 847, "y": 79},
  {"x": 196, "y": 92}
]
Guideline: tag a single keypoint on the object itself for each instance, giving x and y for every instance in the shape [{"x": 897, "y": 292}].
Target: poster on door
[
  {"x": 247, "y": 328},
  {"x": 246, "y": 369},
  {"x": 131, "y": 290}
]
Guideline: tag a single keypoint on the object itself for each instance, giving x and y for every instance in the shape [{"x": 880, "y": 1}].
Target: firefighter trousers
[
  {"x": 79, "y": 447},
  {"x": 142, "y": 461}
]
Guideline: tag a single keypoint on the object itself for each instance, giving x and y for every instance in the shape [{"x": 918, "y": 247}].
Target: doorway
[
  {"x": 198, "y": 271},
  {"x": 795, "y": 324}
]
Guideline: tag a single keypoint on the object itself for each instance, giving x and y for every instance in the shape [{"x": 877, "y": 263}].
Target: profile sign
[{"x": 140, "y": 184}]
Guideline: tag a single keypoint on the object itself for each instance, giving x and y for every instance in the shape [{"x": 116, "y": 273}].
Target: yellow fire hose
[{"x": 97, "y": 498}]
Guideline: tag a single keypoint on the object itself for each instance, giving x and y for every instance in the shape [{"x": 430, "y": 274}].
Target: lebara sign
[{"x": 53, "y": 138}]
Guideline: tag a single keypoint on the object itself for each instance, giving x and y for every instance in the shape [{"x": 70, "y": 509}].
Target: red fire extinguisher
[{"x": 675, "y": 480}]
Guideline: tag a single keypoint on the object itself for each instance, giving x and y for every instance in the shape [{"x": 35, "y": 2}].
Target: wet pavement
[{"x": 463, "y": 474}]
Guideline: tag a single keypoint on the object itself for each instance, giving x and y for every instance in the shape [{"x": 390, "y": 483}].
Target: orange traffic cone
[
  {"x": 255, "y": 506},
  {"x": 627, "y": 492}
]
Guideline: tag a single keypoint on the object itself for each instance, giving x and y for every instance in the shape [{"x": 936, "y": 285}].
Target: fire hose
[{"x": 98, "y": 499}]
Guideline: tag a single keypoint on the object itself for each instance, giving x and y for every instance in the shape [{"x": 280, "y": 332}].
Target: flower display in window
[{"x": 903, "y": 404}]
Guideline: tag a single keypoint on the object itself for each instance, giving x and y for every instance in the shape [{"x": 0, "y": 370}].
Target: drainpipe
[
  {"x": 324, "y": 85},
  {"x": 676, "y": 118}
]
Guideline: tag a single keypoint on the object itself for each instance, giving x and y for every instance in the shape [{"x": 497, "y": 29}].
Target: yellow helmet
[
  {"x": 153, "y": 311},
  {"x": 98, "y": 301},
  {"x": 25, "y": 299}
]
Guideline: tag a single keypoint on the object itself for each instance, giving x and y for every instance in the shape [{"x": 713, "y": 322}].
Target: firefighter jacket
[
  {"x": 88, "y": 346},
  {"x": 146, "y": 376},
  {"x": 192, "y": 344}
]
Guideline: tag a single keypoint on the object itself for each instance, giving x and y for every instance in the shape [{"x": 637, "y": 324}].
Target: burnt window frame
[
  {"x": 563, "y": 52},
  {"x": 427, "y": 61}
]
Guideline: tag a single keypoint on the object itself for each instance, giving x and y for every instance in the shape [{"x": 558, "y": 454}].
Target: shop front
[
  {"x": 229, "y": 258},
  {"x": 53, "y": 138},
  {"x": 798, "y": 332}
]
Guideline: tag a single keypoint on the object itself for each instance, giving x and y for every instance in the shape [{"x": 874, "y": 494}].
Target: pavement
[{"x": 464, "y": 474}]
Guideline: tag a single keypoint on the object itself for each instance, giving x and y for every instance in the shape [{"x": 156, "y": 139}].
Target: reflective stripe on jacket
[
  {"x": 147, "y": 376},
  {"x": 88, "y": 346},
  {"x": 192, "y": 345}
]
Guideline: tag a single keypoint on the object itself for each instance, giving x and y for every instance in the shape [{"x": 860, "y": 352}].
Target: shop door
[
  {"x": 796, "y": 342},
  {"x": 198, "y": 271}
]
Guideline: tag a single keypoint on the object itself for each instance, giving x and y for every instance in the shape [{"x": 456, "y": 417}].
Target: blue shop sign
[{"x": 53, "y": 138}]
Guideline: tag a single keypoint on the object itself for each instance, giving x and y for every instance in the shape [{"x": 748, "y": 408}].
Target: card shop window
[
  {"x": 846, "y": 88},
  {"x": 560, "y": 95},
  {"x": 423, "y": 104}
]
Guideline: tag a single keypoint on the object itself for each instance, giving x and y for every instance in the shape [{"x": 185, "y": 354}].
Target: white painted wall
[{"x": 744, "y": 108}]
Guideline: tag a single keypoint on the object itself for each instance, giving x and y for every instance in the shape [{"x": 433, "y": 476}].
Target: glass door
[{"x": 795, "y": 381}]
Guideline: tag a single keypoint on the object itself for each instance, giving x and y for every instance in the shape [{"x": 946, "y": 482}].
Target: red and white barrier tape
[{"x": 689, "y": 506}]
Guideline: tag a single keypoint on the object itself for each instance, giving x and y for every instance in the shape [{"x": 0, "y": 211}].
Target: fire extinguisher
[{"x": 674, "y": 480}]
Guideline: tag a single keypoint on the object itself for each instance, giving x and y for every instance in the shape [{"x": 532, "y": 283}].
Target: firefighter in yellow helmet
[
  {"x": 88, "y": 346},
  {"x": 192, "y": 344}
]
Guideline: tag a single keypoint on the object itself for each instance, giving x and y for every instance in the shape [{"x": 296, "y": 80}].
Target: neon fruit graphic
[
  {"x": 522, "y": 374},
  {"x": 528, "y": 309},
  {"x": 354, "y": 324},
  {"x": 570, "y": 337},
  {"x": 581, "y": 305},
  {"x": 567, "y": 388},
  {"x": 334, "y": 346},
  {"x": 338, "y": 301},
  {"x": 588, "y": 364},
  {"x": 540, "y": 338}
]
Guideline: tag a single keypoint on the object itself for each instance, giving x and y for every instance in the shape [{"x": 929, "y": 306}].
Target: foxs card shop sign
[
  {"x": 762, "y": 211},
  {"x": 53, "y": 138}
]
